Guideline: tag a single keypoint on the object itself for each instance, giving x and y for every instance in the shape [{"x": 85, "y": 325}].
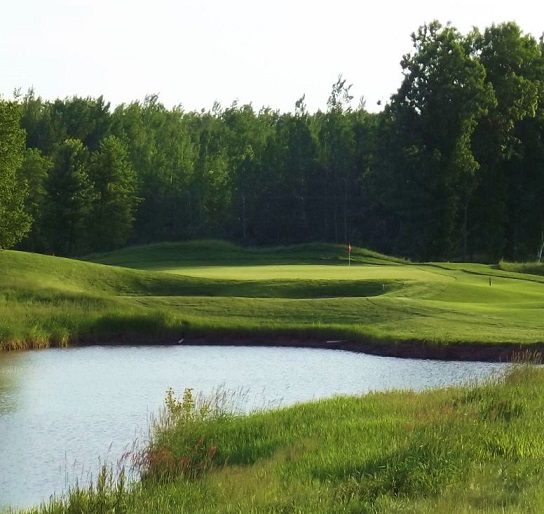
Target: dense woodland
[{"x": 452, "y": 168}]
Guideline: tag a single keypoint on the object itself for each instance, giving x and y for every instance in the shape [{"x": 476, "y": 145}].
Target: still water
[{"x": 65, "y": 411}]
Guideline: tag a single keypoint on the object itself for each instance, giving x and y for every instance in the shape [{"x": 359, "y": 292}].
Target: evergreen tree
[
  {"x": 114, "y": 199},
  {"x": 68, "y": 198}
]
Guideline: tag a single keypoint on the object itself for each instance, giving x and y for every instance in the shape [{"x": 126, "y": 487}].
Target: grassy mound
[
  {"x": 220, "y": 291},
  {"x": 167, "y": 256}
]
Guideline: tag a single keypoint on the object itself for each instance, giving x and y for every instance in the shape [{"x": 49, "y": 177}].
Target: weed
[
  {"x": 160, "y": 462},
  {"x": 527, "y": 357}
]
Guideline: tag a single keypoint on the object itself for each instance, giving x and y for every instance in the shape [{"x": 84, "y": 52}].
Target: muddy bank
[
  {"x": 413, "y": 349},
  {"x": 490, "y": 352}
]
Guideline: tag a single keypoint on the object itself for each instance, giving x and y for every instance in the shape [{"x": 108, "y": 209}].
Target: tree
[
  {"x": 69, "y": 194},
  {"x": 367, "y": 226},
  {"x": 87, "y": 119},
  {"x": 114, "y": 197},
  {"x": 430, "y": 173},
  {"x": 161, "y": 150},
  {"x": 15, "y": 222},
  {"x": 336, "y": 158},
  {"x": 209, "y": 191},
  {"x": 296, "y": 156},
  {"x": 248, "y": 186},
  {"x": 35, "y": 170},
  {"x": 514, "y": 67}
]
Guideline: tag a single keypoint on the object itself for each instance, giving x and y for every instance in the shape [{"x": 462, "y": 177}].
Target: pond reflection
[{"x": 11, "y": 370}]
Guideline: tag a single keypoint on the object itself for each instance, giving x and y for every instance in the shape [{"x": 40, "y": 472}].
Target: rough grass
[
  {"x": 205, "y": 289},
  {"x": 532, "y": 268},
  {"x": 465, "y": 449}
]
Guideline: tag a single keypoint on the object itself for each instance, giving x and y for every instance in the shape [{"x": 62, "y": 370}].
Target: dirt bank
[{"x": 487, "y": 352}]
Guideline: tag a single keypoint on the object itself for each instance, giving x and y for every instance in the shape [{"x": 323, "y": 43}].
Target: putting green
[{"x": 312, "y": 272}]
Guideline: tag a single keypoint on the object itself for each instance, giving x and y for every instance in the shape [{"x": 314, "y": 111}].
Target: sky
[{"x": 194, "y": 52}]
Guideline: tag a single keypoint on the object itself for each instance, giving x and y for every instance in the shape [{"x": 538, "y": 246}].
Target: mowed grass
[
  {"x": 471, "y": 449},
  {"x": 458, "y": 450},
  {"x": 208, "y": 289}
]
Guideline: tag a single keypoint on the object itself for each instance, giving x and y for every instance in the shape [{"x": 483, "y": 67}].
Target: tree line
[{"x": 452, "y": 168}]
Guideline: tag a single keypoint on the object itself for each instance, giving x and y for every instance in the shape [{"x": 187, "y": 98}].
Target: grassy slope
[
  {"x": 161, "y": 292},
  {"x": 459, "y": 450}
]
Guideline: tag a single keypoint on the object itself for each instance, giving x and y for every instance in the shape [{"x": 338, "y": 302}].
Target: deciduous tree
[
  {"x": 432, "y": 120},
  {"x": 14, "y": 220}
]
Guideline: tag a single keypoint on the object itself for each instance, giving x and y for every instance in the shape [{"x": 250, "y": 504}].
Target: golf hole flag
[
  {"x": 349, "y": 254},
  {"x": 349, "y": 247}
]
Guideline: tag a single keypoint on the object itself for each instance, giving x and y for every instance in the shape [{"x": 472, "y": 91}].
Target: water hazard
[{"x": 63, "y": 412}]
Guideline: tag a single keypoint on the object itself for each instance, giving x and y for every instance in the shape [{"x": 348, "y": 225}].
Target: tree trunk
[
  {"x": 541, "y": 248},
  {"x": 244, "y": 234},
  {"x": 465, "y": 229},
  {"x": 346, "y": 212}
]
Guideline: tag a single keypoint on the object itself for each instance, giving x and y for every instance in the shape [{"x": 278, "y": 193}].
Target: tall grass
[
  {"x": 534, "y": 268},
  {"x": 465, "y": 449},
  {"x": 108, "y": 494}
]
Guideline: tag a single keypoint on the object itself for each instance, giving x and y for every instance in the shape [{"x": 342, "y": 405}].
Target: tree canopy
[{"x": 452, "y": 168}]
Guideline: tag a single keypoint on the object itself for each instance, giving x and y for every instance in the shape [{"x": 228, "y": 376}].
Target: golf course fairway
[{"x": 314, "y": 294}]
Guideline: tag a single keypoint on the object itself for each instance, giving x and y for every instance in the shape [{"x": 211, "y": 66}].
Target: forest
[{"x": 452, "y": 168}]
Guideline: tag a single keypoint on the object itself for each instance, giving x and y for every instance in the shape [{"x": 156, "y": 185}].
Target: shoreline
[
  {"x": 407, "y": 349},
  {"x": 476, "y": 352}
]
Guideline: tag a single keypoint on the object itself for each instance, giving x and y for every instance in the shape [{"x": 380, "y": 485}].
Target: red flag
[{"x": 349, "y": 247}]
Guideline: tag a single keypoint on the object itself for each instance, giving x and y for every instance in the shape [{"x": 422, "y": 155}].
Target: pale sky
[{"x": 192, "y": 52}]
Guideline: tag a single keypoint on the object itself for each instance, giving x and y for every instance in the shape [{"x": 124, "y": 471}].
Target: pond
[{"x": 63, "y": 412}]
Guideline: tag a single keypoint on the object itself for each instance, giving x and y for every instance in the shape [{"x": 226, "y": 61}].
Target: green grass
[
  {"x": 463, "y": 450},
  {"x": 459, "y": 450},
  {"x": 159, "y": 257},
  {"x": 207, "y": 289}
]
